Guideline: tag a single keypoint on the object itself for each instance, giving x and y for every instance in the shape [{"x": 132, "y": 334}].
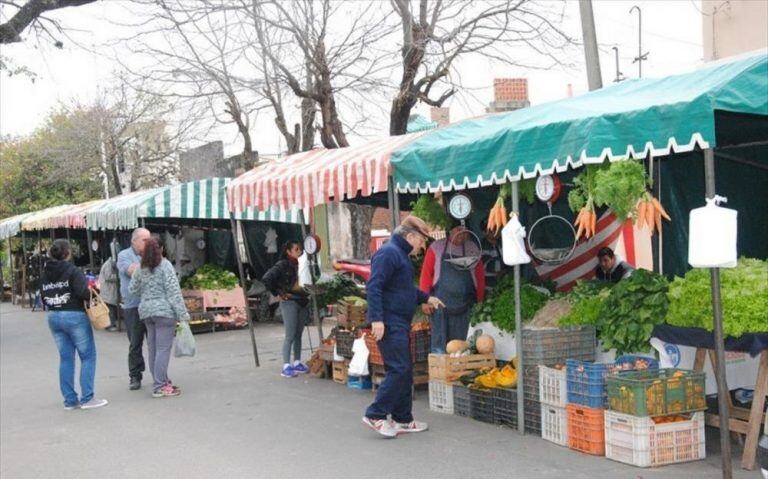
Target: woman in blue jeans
[
  {"x": 282, "y": 280},
  {"x": 161, "y": 306},
  {"x": 64, "y": 290}
]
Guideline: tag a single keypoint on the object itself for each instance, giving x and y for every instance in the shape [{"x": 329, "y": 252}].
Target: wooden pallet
[{"x": 446, "y": 368}]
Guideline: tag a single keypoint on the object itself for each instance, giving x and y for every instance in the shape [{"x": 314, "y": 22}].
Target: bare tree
[
  {"x": 297, "y": 40},
  {"x": 30, "y": 15},
  {"x": 194, "y": 51},
  {"x": 437, "y": 34}
]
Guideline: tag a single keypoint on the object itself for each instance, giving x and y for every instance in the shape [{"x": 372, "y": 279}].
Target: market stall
[{"x": 721, "y": 109}]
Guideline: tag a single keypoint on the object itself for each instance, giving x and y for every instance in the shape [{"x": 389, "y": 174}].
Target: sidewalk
[{"x": 234, "y": 421}]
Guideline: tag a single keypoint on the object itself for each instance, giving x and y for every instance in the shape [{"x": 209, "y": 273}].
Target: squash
[
  {"x": 456, "y": 346},
  {"x": 485, "y": 344},
  {"x": 506, "y": 378}
]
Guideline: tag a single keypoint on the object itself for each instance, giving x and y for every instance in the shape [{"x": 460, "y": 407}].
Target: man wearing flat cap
[{"x": 392, "y": 300}]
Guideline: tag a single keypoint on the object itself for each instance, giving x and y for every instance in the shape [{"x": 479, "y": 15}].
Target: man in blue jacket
[
  {"x": 392, "y": 300},
  {"x": 128, "y": 261}
]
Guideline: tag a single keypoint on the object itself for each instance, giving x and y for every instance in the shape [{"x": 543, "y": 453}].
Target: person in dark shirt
[
  {"x": 611, "y": 267},
  {"x": 392, "y": 300},
  {"x": 64, "y": 289}
]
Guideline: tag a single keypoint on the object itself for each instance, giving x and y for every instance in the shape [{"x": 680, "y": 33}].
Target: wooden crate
[
  {"x": 446, "y": 368},
  {"x": 350, "y": 316},
  {"x": 325, "y": 351},
  {"x": 194, "y": 304},
  {"x": 340, "y": 371},
  {"x": 420, "y": 373}
]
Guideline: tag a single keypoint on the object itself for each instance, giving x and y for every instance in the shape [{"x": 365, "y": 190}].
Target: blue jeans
[{"x": 72, "y": 332}]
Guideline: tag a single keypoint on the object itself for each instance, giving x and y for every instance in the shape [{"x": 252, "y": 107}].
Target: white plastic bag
[
  {"x": 185, "y": 341},
  {"x": 359, "y": 364},
  {"x": 513, "y": 244},
  {"x": 712, "y": 236}
]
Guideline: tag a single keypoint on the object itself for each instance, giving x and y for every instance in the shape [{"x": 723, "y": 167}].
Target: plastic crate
[
  {"x": 374, "y": 354},
  {"x": 554, "y": 424},
  {"x": 657, "y": 392},
  {"x": 505, "y": 407},
  {"x": 531, "y": 383},
  {"x": 481, "y": 404},
  {"x": 628, "y": 362},
  {"x": 586, "y": 429},
  {"x": 462, "y": 405},
  {"x": 441, "y": 397},
  {"x": 586, "y": 382},
  {"x": 359, "y": 382},
  {"x": 532, "y": 412},
  {"x": 344, "y": 341},
  {"x": 552, "y": 386},
  {"x": 550, "y": 346},
  {"x": 420, "y": 345},
  {"x": 641, "y": 442}
]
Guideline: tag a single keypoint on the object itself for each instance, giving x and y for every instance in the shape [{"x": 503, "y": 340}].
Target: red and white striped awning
[{"x": 311, "y": 178}]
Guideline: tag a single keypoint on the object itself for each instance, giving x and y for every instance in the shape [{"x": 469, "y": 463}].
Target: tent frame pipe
[
  {"x": 717, "y": 309},
  {"x": 235, "y": 235},
  {"x": 312, "y": 260},
  {"x": 39, "y": 269},
  {"x": 24, "y": 266},
  {"x": 13, "y": 271},
  {"x": 518, "y": 326}
]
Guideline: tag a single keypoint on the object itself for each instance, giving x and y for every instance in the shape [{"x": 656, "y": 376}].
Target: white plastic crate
[
  {"x": 552, "y": 386},
  {"x": 641, "y": 442},
  {"x": 441, "y": 397},
  {"x": 554, "y": 424}
]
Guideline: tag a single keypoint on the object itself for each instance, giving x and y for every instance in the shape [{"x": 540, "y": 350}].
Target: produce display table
[
  {"x": 217, "y": 298},
  {"x": 742, "y": 420}
]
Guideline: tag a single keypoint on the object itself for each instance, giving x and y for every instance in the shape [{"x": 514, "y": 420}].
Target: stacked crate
[
  {"x": 655, "y": 417},
  {"x": 553, "y": 396},
  {"x": 443, "y": 370},
  {"x": 549, "y": 347}
]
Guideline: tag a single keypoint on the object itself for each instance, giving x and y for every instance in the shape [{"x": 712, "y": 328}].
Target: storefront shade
[
  {"x": 41, "y": 220},
  {"x": 10, "y": 227},
  {"x": 633, "y": 118},
  {"x": 205, "y": 199},
  {"x": 316, "y": 177}
]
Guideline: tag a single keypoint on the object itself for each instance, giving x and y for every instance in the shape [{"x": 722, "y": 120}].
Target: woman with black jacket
[
  {"x": 64, "y": 291},
  {"x": 282, "y": 280}
]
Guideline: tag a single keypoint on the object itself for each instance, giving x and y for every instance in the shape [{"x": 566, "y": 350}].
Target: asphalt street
[{"x": 236, "y": 421}]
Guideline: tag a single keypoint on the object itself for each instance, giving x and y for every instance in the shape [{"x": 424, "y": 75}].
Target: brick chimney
[
  {"x": 440, "y": 115},
  {"x": 509, "y": 94}
]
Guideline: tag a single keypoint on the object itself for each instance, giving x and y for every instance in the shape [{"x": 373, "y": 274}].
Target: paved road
[{"x": 234, "y": 421}]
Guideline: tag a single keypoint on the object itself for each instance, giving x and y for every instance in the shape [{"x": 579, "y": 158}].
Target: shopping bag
[
  {"x": 359, "y": 364},
  {"x": 513, "y": 244},
  {"x": 185, "y": 342},
  {"x": 97, "y": 311}
]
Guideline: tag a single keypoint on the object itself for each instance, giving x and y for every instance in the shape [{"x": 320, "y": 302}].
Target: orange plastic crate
[{"x": 586, "y": 429}]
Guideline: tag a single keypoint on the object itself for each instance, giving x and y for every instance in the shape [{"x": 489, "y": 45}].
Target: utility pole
[
  {"x": 619, "y": 75},
  {"x": 591, "y": 54},
  {"x": 640, "y": 55}
]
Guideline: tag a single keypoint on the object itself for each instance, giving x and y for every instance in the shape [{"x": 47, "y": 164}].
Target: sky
[{"x": 672, "y": 36}]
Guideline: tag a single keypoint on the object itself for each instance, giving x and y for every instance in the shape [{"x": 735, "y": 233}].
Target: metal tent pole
[
  {"x": 39, "y": 268},
  {"x": 518, "y": 328},
  {"x": 717, "y": 309},
  {"x": 391, "y": 194},
  {"x": 24, "y": 271},
  {"x": 315, "y": 311},
  {"x": 235, "y": 230},
  {"x": 12, "y": 268},
  {"x": 89, "y": 240}
]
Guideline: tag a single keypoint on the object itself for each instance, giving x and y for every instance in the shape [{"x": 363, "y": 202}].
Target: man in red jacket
[{"x": 458, "y": 287}]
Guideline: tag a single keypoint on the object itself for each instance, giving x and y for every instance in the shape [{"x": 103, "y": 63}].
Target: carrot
[
  {"x": 504, "y": 215},
  {"x": 580, "y": 230},
  {"x": 658, "y": 220},
  {"x": 640, "y": 222},
  {"x": 593, "y": 224},
  {"x": 649, "y": 214},
  {"x": 491, "y": 226},
  {"x": 499, "y": 218},
  {"x": 578, "y": 217},
  {"x": 661, "y": 209}
]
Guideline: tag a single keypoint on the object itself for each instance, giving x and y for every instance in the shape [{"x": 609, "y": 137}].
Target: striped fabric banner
[
  {"x": 10, "y": 227},
  {"x": 315, "y": 177},
  {"x": 583, "y": 263}
]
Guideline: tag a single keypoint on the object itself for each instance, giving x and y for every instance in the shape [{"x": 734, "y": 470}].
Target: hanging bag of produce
[
  {"x": 513, "y": 244},
  {"x": 712, "y": 239},
  {"x": 185, "y": 341}
]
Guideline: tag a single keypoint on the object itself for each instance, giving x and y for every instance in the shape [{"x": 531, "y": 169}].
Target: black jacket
[
  {"x": 281, "y": 278},
  {"x": 64, "y": 286}
]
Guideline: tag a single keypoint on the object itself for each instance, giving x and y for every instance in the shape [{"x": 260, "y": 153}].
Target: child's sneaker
[
  {"x": 289, "y": 372},
  {"x": 300, "y": 368}
]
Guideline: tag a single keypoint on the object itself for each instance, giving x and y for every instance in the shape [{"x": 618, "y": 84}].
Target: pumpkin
[
  {"x": 485, "y": 344},
  {"x": 456, "y": 346}
]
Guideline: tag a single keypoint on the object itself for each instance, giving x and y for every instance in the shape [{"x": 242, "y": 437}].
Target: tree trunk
[
  {"x": 247, "y": 161},
  {"x": 326, "y": 129},
  {"x": 361, "y": 217},
  {"x": 400, "y": 113}
]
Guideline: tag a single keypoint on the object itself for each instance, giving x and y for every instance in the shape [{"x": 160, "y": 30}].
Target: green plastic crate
[{"x": 657, "y": 392}]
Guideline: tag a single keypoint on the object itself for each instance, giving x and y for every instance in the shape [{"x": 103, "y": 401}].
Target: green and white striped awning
[{"x": 205, "y": 199}]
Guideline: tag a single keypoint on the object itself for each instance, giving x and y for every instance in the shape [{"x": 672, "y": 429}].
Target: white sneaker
[
  {"x": 413, "y": 426},
  {"x": 94, "y": 403},
  {"x": 382, "y": 426}
]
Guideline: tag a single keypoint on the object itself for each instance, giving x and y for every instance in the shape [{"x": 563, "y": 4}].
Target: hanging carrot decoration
[{"x": 650, "y": 212}]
